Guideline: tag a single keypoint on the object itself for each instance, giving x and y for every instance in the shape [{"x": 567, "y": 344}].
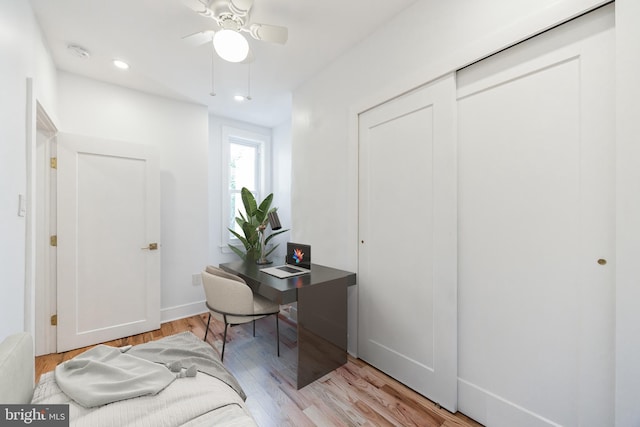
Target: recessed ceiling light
[{"x": 121, "y": 64}]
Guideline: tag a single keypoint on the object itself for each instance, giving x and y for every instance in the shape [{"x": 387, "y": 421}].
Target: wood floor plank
[
  {"x": 395, "y": 389},
  {"x": 341, "y": 410},
  {"x": 355, "y": 394},
  {"x": 252, "y": 359},
  {"x": 388, "y": 406}
]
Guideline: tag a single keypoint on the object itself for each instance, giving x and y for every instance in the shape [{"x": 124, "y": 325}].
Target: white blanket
[
  {"x": 104, "y": 375},
  {"x": 189, "y": 402},
  {"x": 212, "y": 397}
]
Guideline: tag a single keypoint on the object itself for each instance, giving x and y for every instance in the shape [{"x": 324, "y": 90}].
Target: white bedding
[
  {"x": 195, "y": 401},
  {"x": 104, "y": 374},
  {"x": 203, "y": 400}
]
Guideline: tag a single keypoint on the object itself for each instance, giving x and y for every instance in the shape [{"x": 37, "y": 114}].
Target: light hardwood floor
[{"x": 356, "y": 394}]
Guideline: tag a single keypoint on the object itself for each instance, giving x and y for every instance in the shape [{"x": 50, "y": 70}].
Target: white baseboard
[
  {"x": 181, "y": 311},
  {"x": 493, "y": 411}
]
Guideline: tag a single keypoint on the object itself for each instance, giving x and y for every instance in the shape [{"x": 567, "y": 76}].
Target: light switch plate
[{"x": 22, "y": 205}]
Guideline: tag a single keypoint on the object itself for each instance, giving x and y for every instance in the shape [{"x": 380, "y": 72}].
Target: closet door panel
[
  {"x": 407, "y": 266},
  {"x": 536, "y": 227}
]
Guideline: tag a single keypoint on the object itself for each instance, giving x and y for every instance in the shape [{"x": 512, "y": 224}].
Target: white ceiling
[{"x": 148, "y": 34}]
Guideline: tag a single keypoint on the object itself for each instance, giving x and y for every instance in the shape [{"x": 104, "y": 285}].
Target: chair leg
[
  {"x": 278, "y": 334},
  {"x": 207, "y": 330},
  {"x": 224, "y": 341},
  {"x": 254, "y": 328}
]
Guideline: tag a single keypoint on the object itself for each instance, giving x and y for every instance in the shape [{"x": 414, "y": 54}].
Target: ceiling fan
[{"x": 232, "y": 19}]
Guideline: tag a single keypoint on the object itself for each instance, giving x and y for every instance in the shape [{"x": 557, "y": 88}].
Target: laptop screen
[{"x": 299, "y": 255}]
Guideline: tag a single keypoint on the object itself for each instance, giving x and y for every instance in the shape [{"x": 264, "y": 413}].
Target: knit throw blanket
[{"x": 106, "y": 374}]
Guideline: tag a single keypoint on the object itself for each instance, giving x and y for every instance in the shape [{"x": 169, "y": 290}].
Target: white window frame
[{"x": 263, "y": 143}]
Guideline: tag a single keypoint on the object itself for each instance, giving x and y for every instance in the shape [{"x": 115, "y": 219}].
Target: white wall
[
  {"x": 427, "y": 40},
  {"x": 281, "y": 186},
  {"x": 628, "y": 214},
  {"x": 180, "y": 131},
  {"x": 22, "y": 56}
]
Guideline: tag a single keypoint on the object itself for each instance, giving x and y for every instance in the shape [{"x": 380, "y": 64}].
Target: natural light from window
[
  {"x": 244, "y": 171},
  {"x": 245, "y": 162}
]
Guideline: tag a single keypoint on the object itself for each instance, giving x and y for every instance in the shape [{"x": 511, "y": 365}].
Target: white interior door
[
  {"x": 45, "y": 256},
  {"x": 108, "y": 215},
  {"x": 407, "y": 228},
  {"x": 536, "y": 214}
]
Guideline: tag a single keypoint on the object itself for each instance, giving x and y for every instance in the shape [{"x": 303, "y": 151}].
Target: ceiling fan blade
[
  {"x": 199, "y": 38},
  {"x": 269, "y": 33},
  {"x": 240, "y": 7},
  {"x": 199, "y": 6}
]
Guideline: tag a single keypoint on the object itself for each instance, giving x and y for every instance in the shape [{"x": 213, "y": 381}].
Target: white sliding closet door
[
  {"x": 407, "y": 229},
  {"x": 536, "y": 226}
]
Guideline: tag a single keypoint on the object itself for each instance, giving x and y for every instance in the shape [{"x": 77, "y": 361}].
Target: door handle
[{"x": 151, "y": 247}]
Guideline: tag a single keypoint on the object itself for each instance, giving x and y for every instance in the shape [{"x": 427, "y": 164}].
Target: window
[
  {"x": 244, "y": 170},
  {"x": 245, "y": 161}
]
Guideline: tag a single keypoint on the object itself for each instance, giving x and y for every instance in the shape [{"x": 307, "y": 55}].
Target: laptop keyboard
[{"x": 289, "y": 269}]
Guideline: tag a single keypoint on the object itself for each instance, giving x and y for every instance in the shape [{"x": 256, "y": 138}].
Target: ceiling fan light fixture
[{"x": 230, "y": 45}]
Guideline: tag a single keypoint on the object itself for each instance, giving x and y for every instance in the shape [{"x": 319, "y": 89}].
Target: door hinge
[
  {"x": 53, "y": 240},
  {"x": 54, "y": 163},
  {"x": 54, "y": 320}
]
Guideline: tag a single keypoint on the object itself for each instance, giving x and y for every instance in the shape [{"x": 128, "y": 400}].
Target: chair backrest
[
  {"x": 220, "y": 272},
  {"x": 227, "y": 293}
]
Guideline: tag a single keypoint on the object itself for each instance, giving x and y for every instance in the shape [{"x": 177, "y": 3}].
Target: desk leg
[{"x": 322, "y": 330}]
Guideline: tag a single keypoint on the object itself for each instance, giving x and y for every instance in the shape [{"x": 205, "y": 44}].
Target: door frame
[{"x": 40, "y": 285}]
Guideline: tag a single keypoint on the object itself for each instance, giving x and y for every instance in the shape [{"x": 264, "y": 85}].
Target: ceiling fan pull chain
[{"x": 249, "y": 81}]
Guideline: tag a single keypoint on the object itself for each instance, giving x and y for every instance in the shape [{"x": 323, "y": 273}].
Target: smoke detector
[{"x": 78, "y": 51}]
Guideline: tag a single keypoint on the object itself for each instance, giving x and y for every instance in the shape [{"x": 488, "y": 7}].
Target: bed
[{"x": 174, "y": 381}]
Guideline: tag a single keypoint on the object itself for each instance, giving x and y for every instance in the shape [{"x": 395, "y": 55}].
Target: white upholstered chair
[{"x": 231, "y": 300}]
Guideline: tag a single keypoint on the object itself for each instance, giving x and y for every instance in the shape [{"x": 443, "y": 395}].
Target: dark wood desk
[{"x": 322, "y": 312}]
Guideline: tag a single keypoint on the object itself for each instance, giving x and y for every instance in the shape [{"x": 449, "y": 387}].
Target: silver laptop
[{"x": 297, "y": 262}]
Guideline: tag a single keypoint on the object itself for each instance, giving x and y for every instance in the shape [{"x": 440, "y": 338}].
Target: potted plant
[{"x": 253, "y": 224}]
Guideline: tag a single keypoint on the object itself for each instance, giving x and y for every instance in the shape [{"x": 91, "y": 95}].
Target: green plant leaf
[
  {"x": 249, "y": 202},
  {"x": 250, "y": 233},
  {"x": 266, "y": 203},
  {"x": 254, "y": 216},
  {"x": 271, "y": 250},
  {"x": 252, "y": 236},
  {"x": 274, "y": 234},
  {"x": 238, "y": 252},
  {"x": 263, "y": 209},
  {"x": 244, "y": 241}
]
